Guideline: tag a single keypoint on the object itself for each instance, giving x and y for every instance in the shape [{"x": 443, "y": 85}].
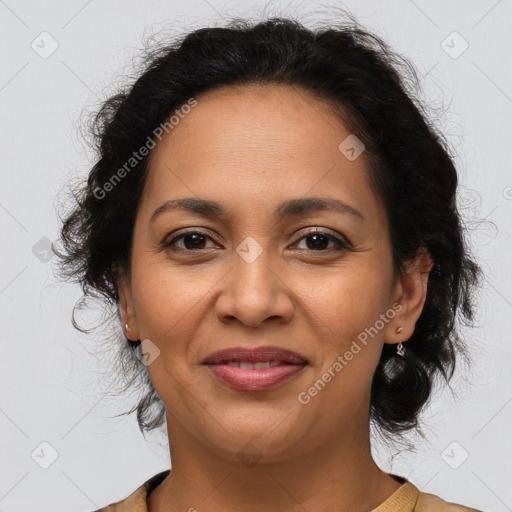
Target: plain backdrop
[{"x": 61, "y": 58}]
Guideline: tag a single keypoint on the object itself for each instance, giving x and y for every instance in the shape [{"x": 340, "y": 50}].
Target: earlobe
[
  {"x": 127, "y": 310},
  {"x": 413, "y": 285}
]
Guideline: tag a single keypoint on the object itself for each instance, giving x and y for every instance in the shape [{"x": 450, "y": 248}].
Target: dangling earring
[
  {"x": 400, "y": 350},
  {"x": 127, "y": 327}
]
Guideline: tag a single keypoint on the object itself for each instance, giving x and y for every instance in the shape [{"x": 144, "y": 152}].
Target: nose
[{"x": 255, "y": 292}]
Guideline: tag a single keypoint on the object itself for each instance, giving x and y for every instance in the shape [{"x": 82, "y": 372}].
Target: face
[{"x": 312, "y": 281}]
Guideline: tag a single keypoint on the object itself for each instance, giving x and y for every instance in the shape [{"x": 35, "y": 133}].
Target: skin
[{"x": 250, "y": 148}]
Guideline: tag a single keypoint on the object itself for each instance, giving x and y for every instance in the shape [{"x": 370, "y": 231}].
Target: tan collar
[{"x": 404, "y": 499}]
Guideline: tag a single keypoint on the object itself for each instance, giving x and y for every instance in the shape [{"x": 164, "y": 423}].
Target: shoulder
[
  {"x": 431, "y": 503},
  {"x": 137, "y": 500}
]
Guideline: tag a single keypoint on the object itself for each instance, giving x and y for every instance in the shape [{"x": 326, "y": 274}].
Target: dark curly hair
[{"x": 374, "y": 90}]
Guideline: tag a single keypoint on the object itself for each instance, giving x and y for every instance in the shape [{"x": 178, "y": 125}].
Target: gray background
[{"x": 50, "y": 389}]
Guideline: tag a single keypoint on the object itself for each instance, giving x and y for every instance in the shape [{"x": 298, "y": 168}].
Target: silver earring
[
  {"x": 400, "y": 348},
  {"x": 127, "y": 327}
]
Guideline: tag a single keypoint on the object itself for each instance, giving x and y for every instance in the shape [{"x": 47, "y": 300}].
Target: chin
[{"x": 253, "y": 437}]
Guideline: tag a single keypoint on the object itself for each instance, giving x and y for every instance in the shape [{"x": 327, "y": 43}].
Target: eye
[
  {"x": 319, "y": 241},
  {"x": 192, "y": 240}
]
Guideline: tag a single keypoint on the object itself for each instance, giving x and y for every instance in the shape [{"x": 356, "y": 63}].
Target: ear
[
  {"x": 410, "y": 293},
  {"x": 126, "y": 304}
]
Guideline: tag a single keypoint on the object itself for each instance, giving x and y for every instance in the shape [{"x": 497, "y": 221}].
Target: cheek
[
  {"x": 348, "y": 300},
  {"x": 167, "y": 300},
  {"x": 350, "y": 304},
  {"x": 167, "y": 304}
]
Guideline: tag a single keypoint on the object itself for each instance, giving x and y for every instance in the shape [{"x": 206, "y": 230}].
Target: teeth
[
  {"x": 258, "y": 366},
  {"x": 247, "y": 365}
]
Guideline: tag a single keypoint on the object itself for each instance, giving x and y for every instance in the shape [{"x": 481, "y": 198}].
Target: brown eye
[
  {"x": 192, "y": 240},
  {"x": 319, "y": 241},
  {"x": 316, "y": 241}
]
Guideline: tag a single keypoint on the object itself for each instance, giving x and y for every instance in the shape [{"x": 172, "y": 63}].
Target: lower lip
[{"x": 254, "y": 379}]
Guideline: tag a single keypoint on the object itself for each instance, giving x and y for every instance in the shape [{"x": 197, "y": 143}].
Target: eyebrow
[{"x": 290, "y": 208}]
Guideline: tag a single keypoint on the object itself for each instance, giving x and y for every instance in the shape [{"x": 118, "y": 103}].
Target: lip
[
  {"x": 258, "y": 354},
  {"x": 254, "y": 380},
  {"x": 285, "y": 365}
]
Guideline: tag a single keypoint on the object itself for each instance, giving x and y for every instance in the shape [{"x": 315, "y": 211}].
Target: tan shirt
[{"x": 408, "y": 498}]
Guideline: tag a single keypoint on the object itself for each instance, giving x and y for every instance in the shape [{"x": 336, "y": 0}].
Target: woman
[{"x": 275, "y": 224}]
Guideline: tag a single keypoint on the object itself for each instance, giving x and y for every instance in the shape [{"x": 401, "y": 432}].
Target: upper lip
[{"x": 255, "y": 355}]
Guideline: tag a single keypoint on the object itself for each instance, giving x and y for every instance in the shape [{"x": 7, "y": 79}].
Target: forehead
[
  {"x": 257, "y": 120},
  {"x": 255, "y": 146}
]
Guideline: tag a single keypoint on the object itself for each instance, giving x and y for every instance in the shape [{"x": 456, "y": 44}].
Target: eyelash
[{"x": 341, "y": 243}]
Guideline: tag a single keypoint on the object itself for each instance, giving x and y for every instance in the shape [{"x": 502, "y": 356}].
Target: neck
[{"x": 337, "y": 474}]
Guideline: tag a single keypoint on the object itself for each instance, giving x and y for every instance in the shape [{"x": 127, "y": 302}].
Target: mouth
[
  {"x": 255, "y": 369},
  {"x": 266, "y": 354}
]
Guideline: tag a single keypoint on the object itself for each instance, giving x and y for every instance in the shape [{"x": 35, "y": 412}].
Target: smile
[{"x": 260, "y": 376}]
